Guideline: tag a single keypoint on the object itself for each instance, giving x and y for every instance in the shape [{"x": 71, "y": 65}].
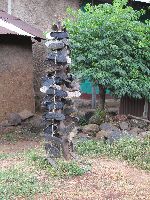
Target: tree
[{"x": 111, "y": 48}]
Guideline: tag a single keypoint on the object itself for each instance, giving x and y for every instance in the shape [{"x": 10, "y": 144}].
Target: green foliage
[
  {"x": 111, "y": 47},
  {"x": 16, "y": 183},
  {"x": 131, "y": 149},
  {"x": 63, "y": 169},
  {"x": 98, "y": 117},
  {"x": 82, "y": 121}
]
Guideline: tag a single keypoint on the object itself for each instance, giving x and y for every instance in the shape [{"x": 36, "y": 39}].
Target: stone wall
[
  {"x": 16, "y": 75},
  {"x": 41, "y": 14}
]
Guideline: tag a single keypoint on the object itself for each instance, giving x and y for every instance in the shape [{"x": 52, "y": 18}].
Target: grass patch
[
  {"x": 133, "y": 150},
  {"x": 16, "y": 183},
  {"x": 18, "y": 135},
  {"x": 64, "y": 168},
  {"x": 4, "y": 156}
]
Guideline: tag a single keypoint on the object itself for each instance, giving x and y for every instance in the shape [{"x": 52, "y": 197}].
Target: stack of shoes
[{"x": 59, "y": 87}]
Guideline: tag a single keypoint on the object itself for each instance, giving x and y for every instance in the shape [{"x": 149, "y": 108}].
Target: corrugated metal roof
[
  {"x": 13, "y": 25},
  {"x": 144, "y": 1}
]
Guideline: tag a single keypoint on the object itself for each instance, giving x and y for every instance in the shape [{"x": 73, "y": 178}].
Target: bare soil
[{"x": 108, "y": 179}]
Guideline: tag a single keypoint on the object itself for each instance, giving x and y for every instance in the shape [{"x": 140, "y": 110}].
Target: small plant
[
  {"x": 98, "y": 117},
  {"x": 131, "y": 149},
  {"x": 71, "y": 169},
  {"x": 82, "y": 121},
  {"x": 16, "y": 183},
  {"x": 63, "y": 169}
]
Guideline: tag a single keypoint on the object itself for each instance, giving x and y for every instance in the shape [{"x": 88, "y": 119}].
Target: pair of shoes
[
  {"x": 55, "y": 116},
  {"x": 57, "y": 105},
  {"x": 58, "y": 93}
]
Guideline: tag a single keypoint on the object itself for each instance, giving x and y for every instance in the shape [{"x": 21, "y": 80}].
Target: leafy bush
[
  {"x": 110, "y": 47},
  {"x": 133, "y": 150}
]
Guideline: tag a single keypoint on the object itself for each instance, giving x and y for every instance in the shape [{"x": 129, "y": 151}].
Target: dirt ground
[{"x": 108, "y": 179}]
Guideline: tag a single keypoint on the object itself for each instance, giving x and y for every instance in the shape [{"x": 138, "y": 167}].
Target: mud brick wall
[
  {"x": 16, "y": 75},
  {"x": 3, "y": 5},
  {"x": 41, "y": 14}
]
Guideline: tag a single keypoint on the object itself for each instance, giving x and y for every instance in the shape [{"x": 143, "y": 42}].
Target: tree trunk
[
  {"x": 102, "y": 93},
  {"x": 145, "y": 112},
  {"x": 93, "y": 96}
]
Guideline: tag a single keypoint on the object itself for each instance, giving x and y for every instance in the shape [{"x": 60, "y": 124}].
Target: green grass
[
  {"x": 133, "y": 150},
  {"x": 4, "y": 156},
  {"x": 16, "y": 183},
  {"x": 64, "y": 168}
]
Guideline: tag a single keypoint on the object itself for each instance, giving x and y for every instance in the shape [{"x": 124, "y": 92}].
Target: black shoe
[
  {"x": 55, "y": 116},
  {"x": 48, "y": 129},
  {"x": 58, "y": 93},
  {"x": 57, "y": 106},
  {"x": 59, "y": 35}
]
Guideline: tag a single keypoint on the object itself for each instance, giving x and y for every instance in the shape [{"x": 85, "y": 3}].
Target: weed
[
  {"x": 4, "y": 156},
  {"x": 63, "y": 169},
  {"x": 82, "y": 121},
  {"x": 98, "y": 117},
  {"x": 131, "y": 149},
  {"x": 9, "y": 137},
  {"x": 16, "y": 183}
]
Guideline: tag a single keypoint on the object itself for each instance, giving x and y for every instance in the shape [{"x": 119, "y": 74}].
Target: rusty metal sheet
[
  {"x": 20, "y": 24},
  {"x": 133, "y": 106},
  {"x": 4, "y": 31}
]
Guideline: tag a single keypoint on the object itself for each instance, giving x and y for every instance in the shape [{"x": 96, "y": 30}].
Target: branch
[{"x": 138, "y": 118}]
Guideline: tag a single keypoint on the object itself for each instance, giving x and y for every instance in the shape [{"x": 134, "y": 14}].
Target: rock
[
  {"x": 124, "y": 125},
  {"x": 102, "y": 135},
  {"x": 138, "y": 123},
  {"x": 37, "y": 124},
  {"x": 134, "y": 123},
  {"x": 26, "y": 114},
  {"x": 108, "y": 127},
  {"x": 111, "y": 136},
  {"x": 4, "y": 123},
  {"x": 116, "y": 135},
  {"x": 14, "y": 119},
  {"x": 91, "y": 129},
  {"x": 144, "y": 134},
  {"x": 135, "y": 131},
  {"x": 142, "y": 124}
]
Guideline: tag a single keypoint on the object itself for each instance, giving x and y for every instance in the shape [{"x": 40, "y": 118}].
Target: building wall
[
  {"x": 16, "y": 75},
  {"x": 3, "y": 5},
  {"x": 41, "y": 14}
]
